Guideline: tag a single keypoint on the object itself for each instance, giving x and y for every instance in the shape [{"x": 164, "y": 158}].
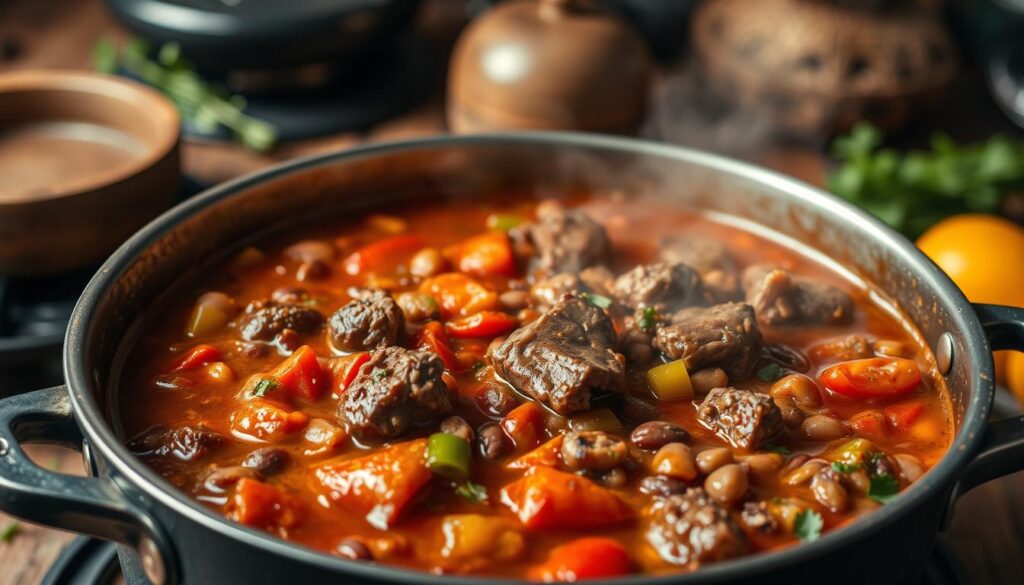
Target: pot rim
[{"x": 943, "y": 475}]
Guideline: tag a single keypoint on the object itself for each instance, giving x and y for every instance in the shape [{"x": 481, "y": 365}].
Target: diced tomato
[
  {"x": 482, "y": 324},
  {"x": 195, "y": 357},
  {"x": 345, "y": 369},
  {"x": 585, "y": 558},
  {"x": 870, "y": 423},
  {"x": 546, "y": 455},
  {"x": 872, "y": 377},
  {"x": 545, "y": 498},
  {"x": 301, "y": 375},
  {"x": 382, "y": 254},
  {"x": 267, "y": 420},
  {"x": 902, "y": 416},
  {"x": 379, "y": 485},
  {"x": 458, "y": 294},
  {"x": 261, "y": 505},
  {"x": 488, "y": 254},
  {"x": 434, "y": 338},
  {"x": 523, "y": 425}
]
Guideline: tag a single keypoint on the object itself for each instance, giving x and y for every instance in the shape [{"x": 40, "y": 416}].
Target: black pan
[{"x": 180, "y": 542}]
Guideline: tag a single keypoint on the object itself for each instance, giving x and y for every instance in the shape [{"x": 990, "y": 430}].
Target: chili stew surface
[{"x": 554, "y": 390}]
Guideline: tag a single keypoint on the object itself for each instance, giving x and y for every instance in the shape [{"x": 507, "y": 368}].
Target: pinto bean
[
  {"x": 492, "y": 442},
  {"x": 354, "y": 550},
  {"x": 802, "y": 389},
  {"x": 595, "y": 450},
  {"x": 890, "y": 348},
  {"x": 792, "y": 416},
  {"x": 827, "y": 487},
  {"x": 427, "y": 262},
  {"x": 514, "y": 299},
  {"x": 656, "y": 434},
  {"x": 639, "y": 410},
  {"x": 706, "y": 380},
  {"x": 711, "y": 459},
  {"x": 821, "y": 429},
  {"x": 310, "y": 251},
  {"x": 727, "y": 484},
  {"x": 763, "y": 463},
  {"x": 456, "y": 425},
  {"x": 805, "y": 472},
  {"x": 910, "y": 468},
  {"x": 496, "y": 399},
  {"x": 675, "y": 460},
  {"x": 662, "y": 485},
  {"x": 267, "y": 460},
  {"x": 314, "y": 270},
  {"x": 222, "y": 478},
  {"x": 787, "y": 356}
]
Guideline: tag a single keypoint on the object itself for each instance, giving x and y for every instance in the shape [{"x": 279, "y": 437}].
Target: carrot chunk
[{"x": 545, "y": 498}]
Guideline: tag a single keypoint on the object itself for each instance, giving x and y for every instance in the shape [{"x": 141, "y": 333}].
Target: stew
[{"x": 554, "y": 390}]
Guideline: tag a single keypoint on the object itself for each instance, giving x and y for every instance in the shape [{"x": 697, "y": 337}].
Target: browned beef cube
[
  {"x": 185, "y": 443},
  {"x": 691, "y": 529},
  {"x": 565, "y": 240},
  {"x": 710, "y": 258},
  {"x": 267, "y": 319},
  {"x": 661, "y": 286},
  {"x": 562, "y": 356},
  {"x": 724, "y": 336},
  {"x": 743, "y": 418},
  {"x": 373, "y": 320},
  {"x": 396, "y": 389},
  {"x": 780, "y": 297}
]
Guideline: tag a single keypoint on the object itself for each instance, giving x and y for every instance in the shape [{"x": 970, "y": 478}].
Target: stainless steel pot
[{"x": 180, "y": 542}]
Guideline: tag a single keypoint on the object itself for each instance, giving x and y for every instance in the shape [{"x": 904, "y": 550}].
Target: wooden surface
[{"x": 987, "y": 534}]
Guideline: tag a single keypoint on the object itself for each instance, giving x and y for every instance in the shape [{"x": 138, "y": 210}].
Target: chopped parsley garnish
[
  {"x": 599, "y": 301},
  {"x": 774, "y": 448},
  {"x": 808, "y": 525},
  {"x": 379, "y": 374},
  {"x": 263, "y": 386},
  {"x": 883, "y": 488},
  {"x": 473, "y": 492},
  {"x": 648, "y": 319},
  {"x": 478, "y": 365},
  {"x": 845, "y": 467},
  {"x": 771, "y": 373},
  {"x": 9, "y": 532}
]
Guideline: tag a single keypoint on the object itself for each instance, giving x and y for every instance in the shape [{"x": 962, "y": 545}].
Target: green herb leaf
[
  {"x": 771, "y": 373},
  {"x": 9, "y": 532},
  {"x": 648, "y": 319},
  {"x": 883, "y": 488},
  {"x": 104, "y": 56},
  {"x": 473, "y": 492},
  {"x": 379, "y": 374},
  {"x": 597, "y": 300},
  {"x": 845, "y": 467},
  {"x": 774, "y": 448},
  {"x": 808, "y": 525},
  {"x": 263, "y": 386}
]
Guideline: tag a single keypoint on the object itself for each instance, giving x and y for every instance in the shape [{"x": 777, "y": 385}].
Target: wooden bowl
[{"x": 85, "y": 160}]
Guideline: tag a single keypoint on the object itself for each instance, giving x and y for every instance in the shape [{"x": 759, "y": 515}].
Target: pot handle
[
  {"x": 87, "y": 505},
  {"x": 1002, "y": 447}
]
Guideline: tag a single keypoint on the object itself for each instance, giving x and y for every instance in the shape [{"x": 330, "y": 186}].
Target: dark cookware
[{"x": 179, "y": 541}]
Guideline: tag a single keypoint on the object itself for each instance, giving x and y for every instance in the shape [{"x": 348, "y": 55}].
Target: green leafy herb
[
  {"x": 263, "y": 386},
  {"x": 774, "y": 448},
  {"x": 379, "y": 374},
  {"x": 648, "y": 319},
  {"x": 845, "y": 467},
  {"x": 914, "y": 190},
  {"x": 771, "y": 372},
  {"x": 478, "y": 364},
  {"x": 473, "y": 492},
  {"x": 883, "y": 488},
  {"x": 808, "y": 525},
  {"x": 9, "y": 532},
  {"x": 599, "y": 301},
  {"x": 201, "y": 104}
]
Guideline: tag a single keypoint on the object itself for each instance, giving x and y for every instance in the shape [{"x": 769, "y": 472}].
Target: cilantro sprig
[
  {"x": 771, "y": 373},
  {"x": 599, "y": 301},
  {"x": 808, "y": 525},
  {"x": 473, "y": 492},
  {"x": 648, "y": 319},
  {"x": 883, "y": 488},
  {"x": 263, "y": 386}
]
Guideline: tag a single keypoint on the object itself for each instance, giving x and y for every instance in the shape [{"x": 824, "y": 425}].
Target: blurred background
[{"x": 113, "y": 110}]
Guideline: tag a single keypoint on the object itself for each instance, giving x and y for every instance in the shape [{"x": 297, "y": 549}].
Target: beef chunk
[
  {"x": 396, "y": 389},
  {"x": 743, "y": 418},
  {"x": 691, "y": 529},
  {"x": 710, "y": 258},
  {"x": 185, "y": 443},
  {"x": 565, "y": 240},
  {"x": 563, "y": 355},
  {"x": 724, "y": 336},
  {"x": 373, "y": 320},
  {"x": 266, "y": 319},
  {"x": 661, "y": 285},
  {"x": 780, "y": 297}
]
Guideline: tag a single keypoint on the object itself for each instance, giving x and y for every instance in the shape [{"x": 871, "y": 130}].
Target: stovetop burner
[{"x": 88, "y": 561}]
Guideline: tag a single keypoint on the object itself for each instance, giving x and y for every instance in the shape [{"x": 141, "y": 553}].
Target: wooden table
[{"x": 987, "y": 534}]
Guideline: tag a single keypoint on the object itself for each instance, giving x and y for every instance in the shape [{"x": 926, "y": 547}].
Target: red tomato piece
[
  {"x": 379, "y": 485},
  {"x": 380, "y": 255},
  {"x": 547, "y": 455},
  {"x": 301, "y": 375},
  {"x": 523, "y": 425},
  {"x": 585, "y": 558},
  {"x": 345, "y": 369},
  {"x": 872, "y": 377},
  {"x": 434, "y": 338},
  {"x": 482, "y": 324},
  {"x": 870, "y": 423},
  {"x": 488, "y": 254},
  {"x": 548, "y": 499},
  {"x": 902, "y": 416},
  {"x": 263, "y": 506},
  {"x": 195, "y": 357}
]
